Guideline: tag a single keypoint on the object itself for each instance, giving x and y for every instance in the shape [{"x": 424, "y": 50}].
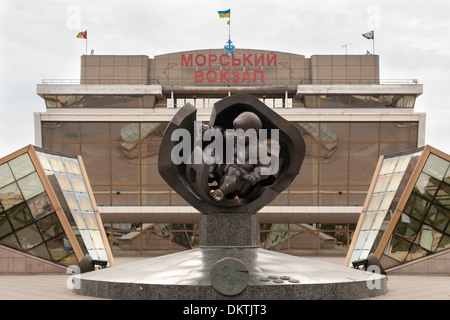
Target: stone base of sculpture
[
  {"x": 230, "y": 267},
  {"x": 222, "y": 230}
]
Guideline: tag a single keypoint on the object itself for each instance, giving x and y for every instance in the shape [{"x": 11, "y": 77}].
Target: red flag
[{"x": 82, "y": 35}]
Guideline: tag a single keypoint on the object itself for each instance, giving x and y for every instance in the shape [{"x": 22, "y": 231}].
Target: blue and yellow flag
[
  {"x": 224, "y": 14},
  {"x": 369, "y": 35}
]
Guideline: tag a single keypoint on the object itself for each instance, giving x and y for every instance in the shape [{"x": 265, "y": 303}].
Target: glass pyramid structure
[
  {"x": 406, "y": 215},
  {"x": 47, "y": 208}
]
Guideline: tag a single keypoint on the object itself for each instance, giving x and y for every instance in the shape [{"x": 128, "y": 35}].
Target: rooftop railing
[{"x": 267, "y": 82}]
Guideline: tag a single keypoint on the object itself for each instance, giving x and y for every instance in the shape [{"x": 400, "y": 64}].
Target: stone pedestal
[{"x": 229, "y": 230}]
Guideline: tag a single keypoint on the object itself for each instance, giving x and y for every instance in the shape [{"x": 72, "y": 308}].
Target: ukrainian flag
[
  {"x": 224, "y": 14},
  {"x": 369, "y": 35}
]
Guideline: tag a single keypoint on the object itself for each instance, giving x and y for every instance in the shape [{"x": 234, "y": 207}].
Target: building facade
[{"x": 115, "y": 115}]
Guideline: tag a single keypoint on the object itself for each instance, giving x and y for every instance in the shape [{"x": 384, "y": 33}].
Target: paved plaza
[{"x": 55, "y": 287}]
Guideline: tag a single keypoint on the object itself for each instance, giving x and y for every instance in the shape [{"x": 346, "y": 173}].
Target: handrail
[{"x": 279, "y": 82}]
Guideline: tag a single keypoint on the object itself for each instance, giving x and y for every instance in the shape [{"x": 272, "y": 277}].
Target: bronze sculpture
[{"x": 233, "y": 175}]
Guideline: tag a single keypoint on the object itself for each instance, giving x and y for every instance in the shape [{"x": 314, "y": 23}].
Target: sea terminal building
[{"x": 115, "y": 114}]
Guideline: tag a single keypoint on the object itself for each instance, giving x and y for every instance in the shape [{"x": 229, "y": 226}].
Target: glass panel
[
  {"x": 58, "y": 249},
  {"x": 382, "y": 183},
  {"x": 387, "y": 200},
  {"x": 31, "y": 186},
  {"x": 378, "y": 220},
  {"x": 91, "y": 221},
  {"x": 63, "y": 181},
  {"x": 415, "y": 252},
  {"x": 445, "y": 243},
  {"x": 368, "y": 220},
  {"x": 21, "y": 166},
  {"x": 395, "y": 181},
  {"x": 443, "y": 196},
  {"x": 50, "y": 226},
  {"x": 71, "y": 201},
  {"x": 10, "y": 196},
  {"x": 402, "y": 163},
  {"x": 71, "y": 166},
  {"x": 93, "y": 253},
  {"x": 375, "y": 202},
  {"x": 19, "y": 216},
  {"x": 407, "y": 228},
  {"x": 87, "y": 239},
  {"x": 44, "y": 161},
  {"x": 6, "y": 176},
  {"x": 69, "y": 260},
  {"x": 85, "y": 202},
  {"x": 416, "y": 207},
  {"x": 29, "y": 237},
  {"x": 426, "y": 186},
  {"x": 78, "y": 183},
  {"x": 56, "y": 163},
  {"x": 436, "y": 167},
  {"x": 41, "y": 252},
  {"x": 79, "y": 220},
  {"x": 102, "y": 255},
  {"x": 5, "y": 227},
  {"x": 10, "y": 241},
  {"x": 397, "y": 248},
  {"x": 438, "y": 217},
  {"x": 388, "y": 165},
  {"x": 429, "y": 238},
  {"x": 40, "y": 206},
  {"x": 362, "y": 237},
  {"x": 97, "y": 238}
]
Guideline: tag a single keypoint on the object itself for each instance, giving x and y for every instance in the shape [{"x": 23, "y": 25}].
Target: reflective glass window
[
  {"x": 85, "y": 234},
  {"x": 44, "y": 161},
  {"x": 50, "y": 226},
  {"x": 71, "y": 166},
  {"x": 397, "y": 248},
  {"x": 56, "y": 163},
  {"x": 10, "y": 196},
  {"x": 426, "y": 186},
  {"x": 19, "y": 216},
  {"x": 417, "y": 207},
  {"x": 5, "y": 227},
  {"x": 40, "y": 206},
  {"x": 415, "y": 252},
  {"x": 78, "y": 183},
  {"x": 6, "y": 176},
  {"x": 58, "y": 249},
  {"x": 438, "y": 217},
  {"x": 40, "y": 251},
  {"x": 71, "y": 201},
  {"x": 63, "y": 181},
  {"x": 445, "y": 243},
  {"x": 79, "y": 219},
  {"x": 91, "y": 221},
  {"x": 407, "y": 227},
  {"x": 31, "y": 186},
  {"x": 429, "y": 238},
  {"x": 436, "y": 167},
  {"x": 443, "y": 196},
  {"x": 84, "y": 202},
  {"x": 21, "y": 166},
  {"x": 10, "y": 241},
  {"x": 29, "y": 237}
]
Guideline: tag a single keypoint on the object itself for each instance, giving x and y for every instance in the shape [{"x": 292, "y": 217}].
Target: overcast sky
[{"x": 38, "y": 41}]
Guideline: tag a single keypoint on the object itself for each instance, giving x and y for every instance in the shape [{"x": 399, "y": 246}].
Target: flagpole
[
  {"x": 373, "y": 39},
  {"x": 229, "y": 27}
]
